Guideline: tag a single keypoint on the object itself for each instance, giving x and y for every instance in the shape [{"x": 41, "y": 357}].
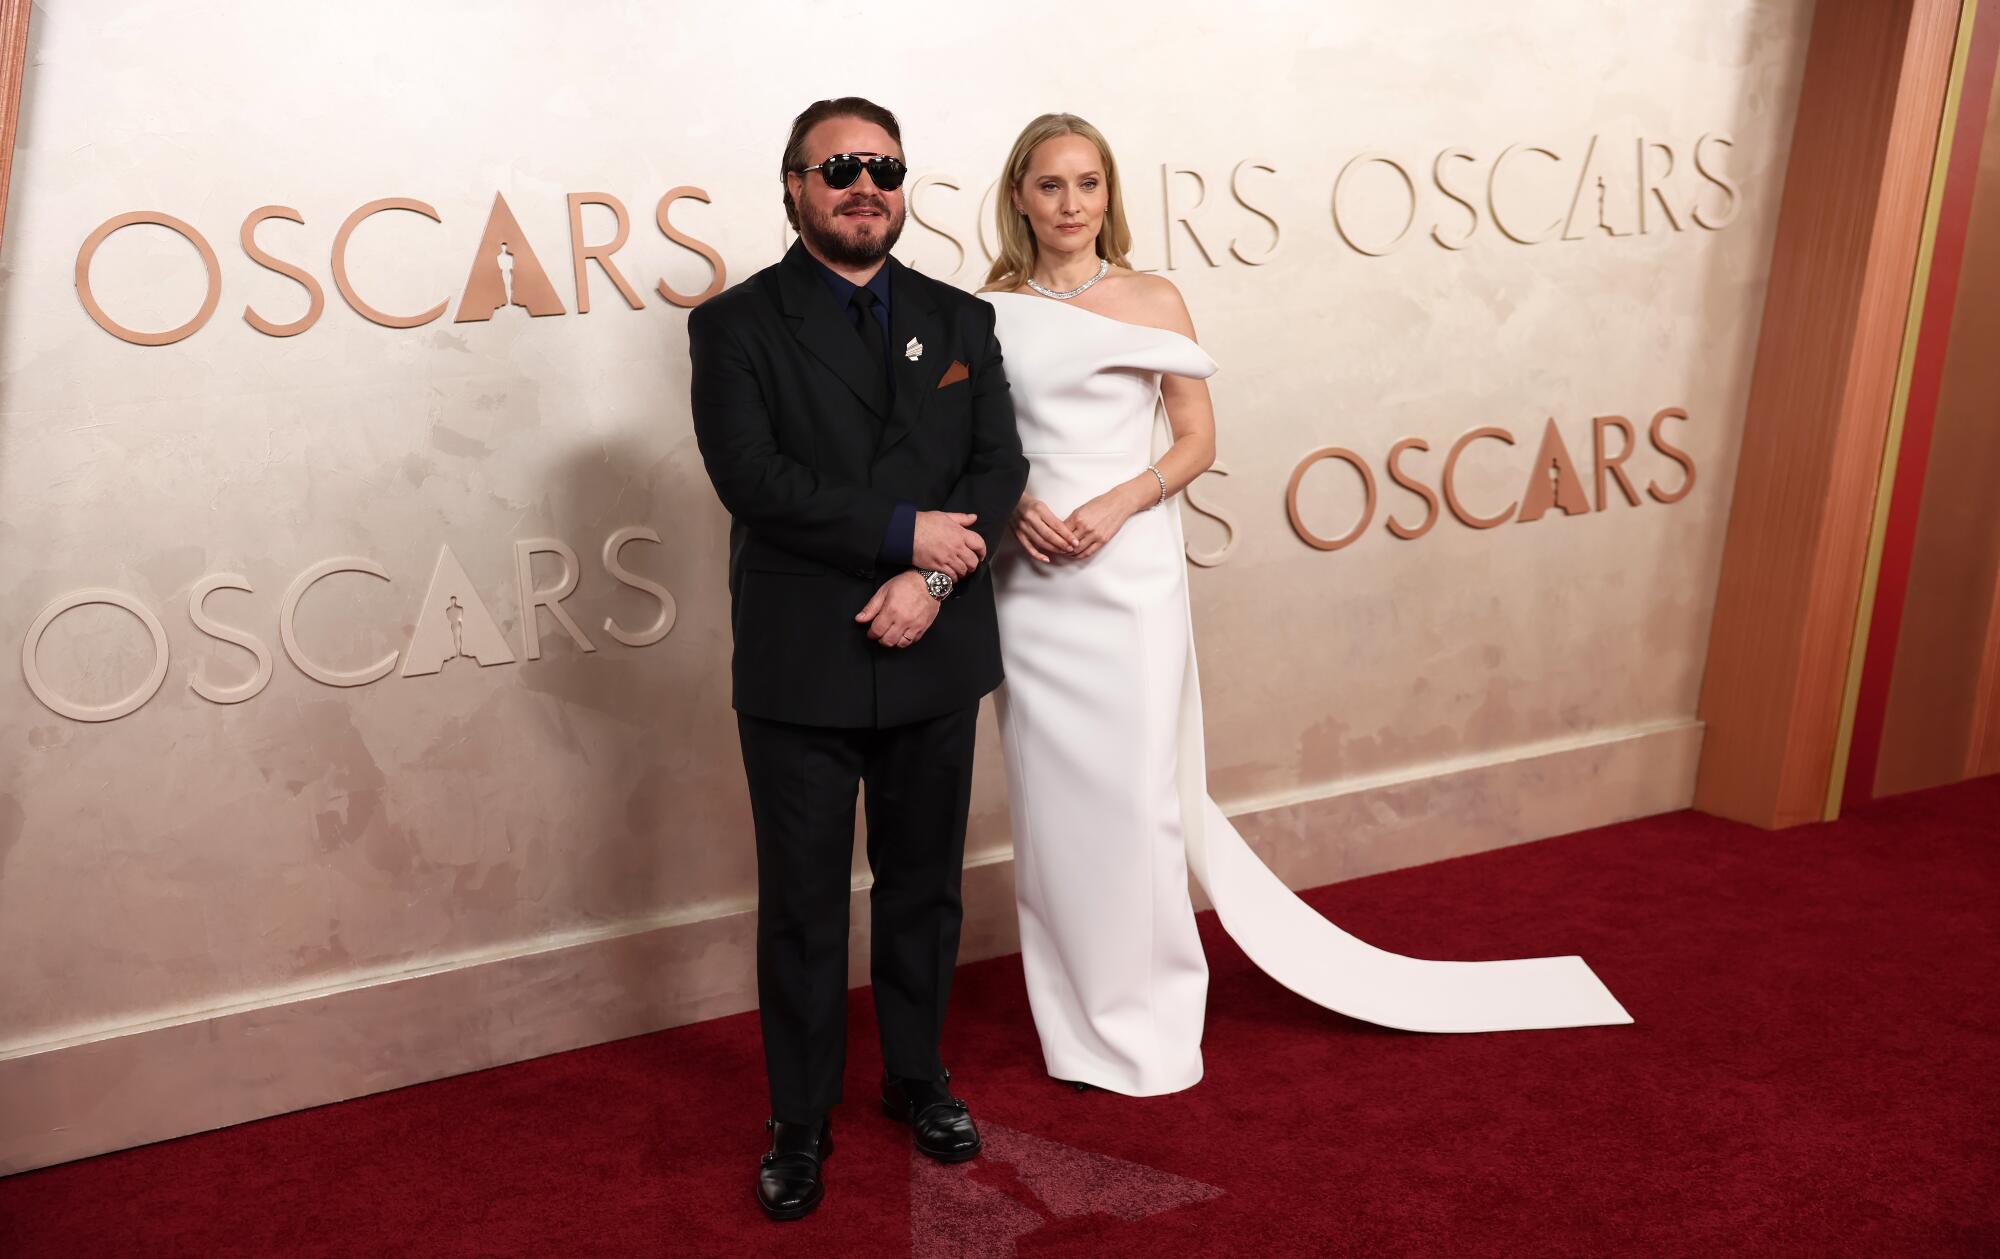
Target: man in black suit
[{"x": 855, "y": 420}]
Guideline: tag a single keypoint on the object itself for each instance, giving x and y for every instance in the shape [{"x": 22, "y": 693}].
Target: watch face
[{"x": 939, "y": 583}]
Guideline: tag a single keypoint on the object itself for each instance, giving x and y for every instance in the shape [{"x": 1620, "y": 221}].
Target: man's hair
[{"x": 817, "y": 113}]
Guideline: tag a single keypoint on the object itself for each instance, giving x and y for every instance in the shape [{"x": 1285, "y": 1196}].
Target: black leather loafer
[
  {"x": 940, "y": 1124},
  {"x": 789, "y": 1184}
]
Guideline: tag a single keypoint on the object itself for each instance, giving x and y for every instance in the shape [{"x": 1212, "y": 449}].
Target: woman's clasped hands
[{"x": 1048, "y": 537}]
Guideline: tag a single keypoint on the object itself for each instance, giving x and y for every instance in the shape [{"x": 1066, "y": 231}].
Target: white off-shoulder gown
[{"x": 1100, "y": 721}]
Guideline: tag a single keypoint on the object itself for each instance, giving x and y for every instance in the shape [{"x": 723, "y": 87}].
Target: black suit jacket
[{"x": 811, "y": 459}]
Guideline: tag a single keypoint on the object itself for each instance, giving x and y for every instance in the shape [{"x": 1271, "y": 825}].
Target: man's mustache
[{"x": 856, "y": 203}]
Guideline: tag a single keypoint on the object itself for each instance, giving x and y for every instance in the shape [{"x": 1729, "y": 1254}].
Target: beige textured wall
[{"x": 193, "y": 856}]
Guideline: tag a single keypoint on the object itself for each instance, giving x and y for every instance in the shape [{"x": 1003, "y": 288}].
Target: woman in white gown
[{"x": 1100, "y": 716}]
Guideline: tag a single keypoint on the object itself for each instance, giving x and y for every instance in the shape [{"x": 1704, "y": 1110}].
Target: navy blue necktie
[{"x": 870, "y": 328}]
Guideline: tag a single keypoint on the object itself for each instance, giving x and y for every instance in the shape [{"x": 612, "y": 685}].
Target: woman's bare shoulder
[{"x": 1148, "y": 298}]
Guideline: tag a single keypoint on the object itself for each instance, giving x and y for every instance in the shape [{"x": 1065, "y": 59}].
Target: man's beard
[{"x": 835, "y": 241}]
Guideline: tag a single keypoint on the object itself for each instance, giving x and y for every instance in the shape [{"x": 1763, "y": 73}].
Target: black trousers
[{"x": 802, "y": 792}]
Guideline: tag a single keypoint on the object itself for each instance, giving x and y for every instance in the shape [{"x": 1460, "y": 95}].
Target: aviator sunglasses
[{"x": 842, "y": 169}]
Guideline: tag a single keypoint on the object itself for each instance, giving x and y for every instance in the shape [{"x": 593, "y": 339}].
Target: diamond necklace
[{"x": 1103, "y": 269}]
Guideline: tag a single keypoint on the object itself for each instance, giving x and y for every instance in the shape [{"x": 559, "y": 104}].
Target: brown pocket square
[{"x": 955, "y": 373}]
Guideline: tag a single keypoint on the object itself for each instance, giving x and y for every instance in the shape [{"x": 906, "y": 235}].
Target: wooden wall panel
[
  {"x": 1983, "y": 756},
  {"x": 1956, "y": 179},
  {"x": 13, "y": 66},
  {"x": 1827, "y": 358},
  {"x": 1935, "y": 696}
]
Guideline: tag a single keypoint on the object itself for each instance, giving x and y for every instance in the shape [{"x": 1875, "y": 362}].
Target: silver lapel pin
[{"x": 914, "y": 350}]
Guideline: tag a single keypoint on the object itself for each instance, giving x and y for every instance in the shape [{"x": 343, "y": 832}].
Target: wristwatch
[{"x": 939, "y": 584}]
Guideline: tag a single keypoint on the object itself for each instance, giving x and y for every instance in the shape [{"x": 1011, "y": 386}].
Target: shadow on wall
[{"x": 656, "y": 821}]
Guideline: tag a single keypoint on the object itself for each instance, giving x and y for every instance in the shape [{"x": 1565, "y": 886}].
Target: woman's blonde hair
[{"x": 1017, "y": 239}]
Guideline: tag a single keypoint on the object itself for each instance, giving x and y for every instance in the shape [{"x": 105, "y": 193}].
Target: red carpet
[{"x": 1812, "y": 1073}]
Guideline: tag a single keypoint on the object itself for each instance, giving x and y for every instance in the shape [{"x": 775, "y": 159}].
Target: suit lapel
[
  {"x": 913, "y": 316},
  {"x": 822, "y": 327}
]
